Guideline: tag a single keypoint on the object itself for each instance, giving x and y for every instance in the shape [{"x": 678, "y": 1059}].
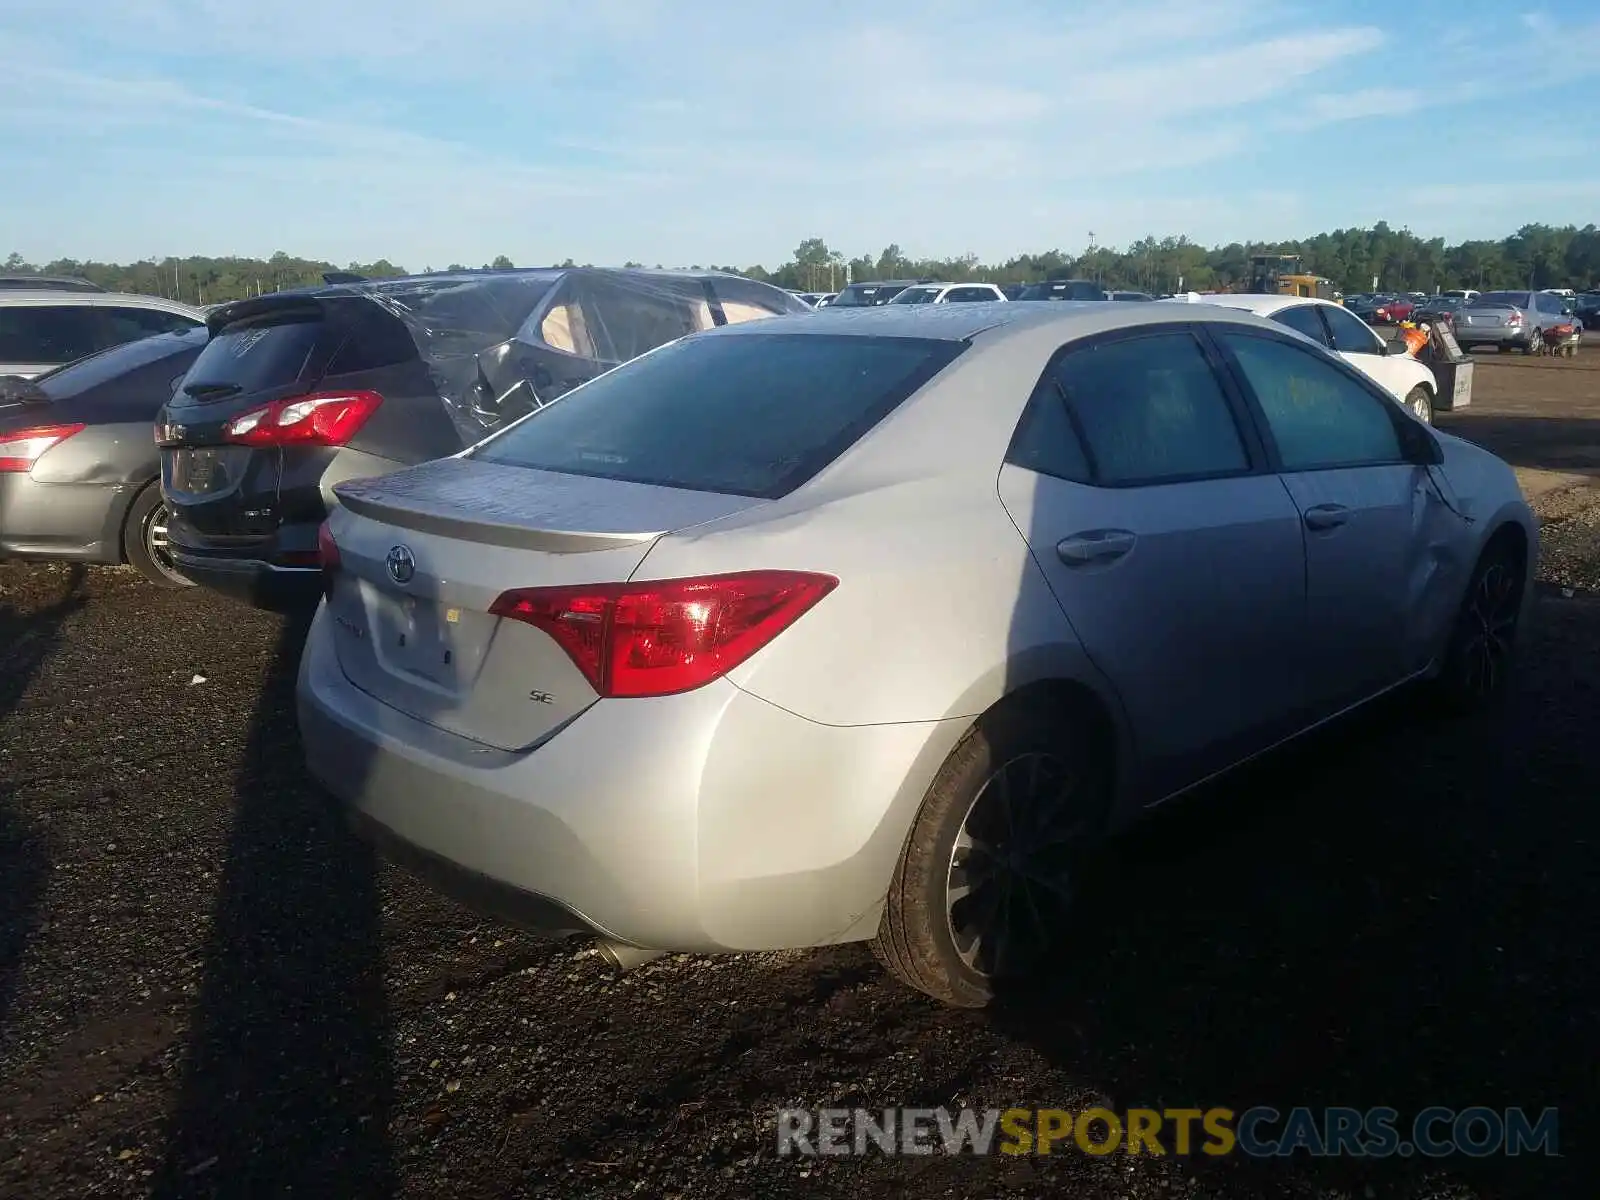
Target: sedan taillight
[{"x": 20, "y": 450}]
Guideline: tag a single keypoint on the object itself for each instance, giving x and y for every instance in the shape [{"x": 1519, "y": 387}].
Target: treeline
[{"x": 1535, "y": 256}]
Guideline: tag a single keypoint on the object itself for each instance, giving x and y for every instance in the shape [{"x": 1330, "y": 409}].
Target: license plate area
[
  {"x": 438, "y": 645},
  {"x": 196, "y": 470}
]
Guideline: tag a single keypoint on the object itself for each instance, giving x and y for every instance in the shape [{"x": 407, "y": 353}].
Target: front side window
[
  {"x": 1151, "y": 410},
  {"x": 1318, "y": 415}
]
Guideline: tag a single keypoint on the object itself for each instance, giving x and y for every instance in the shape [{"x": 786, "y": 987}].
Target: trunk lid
[{"x": 425, "y": 553}]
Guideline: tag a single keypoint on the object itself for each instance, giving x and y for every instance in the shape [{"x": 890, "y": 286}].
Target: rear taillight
[
  {"x": 1514, "y": 319},
  {"x": 658, "y": 637},
  {"x": 20, "y": 450},
  {"x": 320, "y": 419},
  {"x": 328, "y": 553}
]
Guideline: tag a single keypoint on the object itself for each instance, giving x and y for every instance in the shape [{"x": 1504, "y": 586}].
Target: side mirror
[{"x": 1419, "y": 445}]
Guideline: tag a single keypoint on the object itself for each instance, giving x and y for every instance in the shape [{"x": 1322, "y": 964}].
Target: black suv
[{"x": 298, "y": 391}]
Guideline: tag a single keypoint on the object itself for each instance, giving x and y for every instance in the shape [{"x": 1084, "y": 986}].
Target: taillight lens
[
  {"x": 1514, "y": 319},
  {"x": 659, "y": 637},
  {"x": 20, "y": 450},
  {"x": 328, "y": 552},
  {"x": 320, "y": 419}
]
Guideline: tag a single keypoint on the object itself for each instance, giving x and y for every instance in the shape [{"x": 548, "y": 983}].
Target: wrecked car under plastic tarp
[{"x": 499, "y": 344}]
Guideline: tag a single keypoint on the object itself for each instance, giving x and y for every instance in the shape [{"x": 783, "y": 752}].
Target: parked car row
[{"x": 570, "y": 530}]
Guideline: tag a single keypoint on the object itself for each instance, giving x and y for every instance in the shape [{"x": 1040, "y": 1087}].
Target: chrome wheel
[
  {"x": 1422, "y": 405},
  {"x": 1489, "y": 625},
  {"x": 1015, "y": 864},
  {"x": 155, "y": 544}
]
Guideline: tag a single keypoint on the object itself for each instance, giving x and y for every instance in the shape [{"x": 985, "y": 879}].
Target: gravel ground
[{"x": 208, "y": 988}]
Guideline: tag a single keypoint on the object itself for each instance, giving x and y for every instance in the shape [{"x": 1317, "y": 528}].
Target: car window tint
[
  {"x": 749, "y": 414},
  {"x": 1350, "y": 333},
  {"x": 1302, "y": 318},
  {"x": 1045, "y": 440},
  {"x": 1319, "y": 416},
  {"x": 250, "y": 358},
  {"x": 176, "y": 351},
  {"x": 1152, "y": 410},
  {"x": 46, "y": 333},
  {"x": 119, "y": 325}
]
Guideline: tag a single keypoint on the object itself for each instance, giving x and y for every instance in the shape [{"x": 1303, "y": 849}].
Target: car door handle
[
  {"x": 1094, "y": 546},
  {"x": 1326, "y": 516}
]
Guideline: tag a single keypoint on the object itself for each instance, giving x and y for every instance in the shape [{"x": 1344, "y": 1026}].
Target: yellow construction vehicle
[{"x": 1284, "y": 275}]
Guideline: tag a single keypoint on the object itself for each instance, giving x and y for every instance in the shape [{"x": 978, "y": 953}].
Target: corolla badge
[{"x": 402, "y": 564}]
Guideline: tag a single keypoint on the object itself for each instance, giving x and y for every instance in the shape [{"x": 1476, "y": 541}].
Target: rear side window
[
  {"x": 610, "y": 321},
  {"x": 251, "y": 358},
  {"x": 749, "y": 415},
  {"x": 46, "y": 333},
  {"x": 746, "y": 300},
  {"x": 1151, "y": 410},
  {"x": 1303, "y": 318}
]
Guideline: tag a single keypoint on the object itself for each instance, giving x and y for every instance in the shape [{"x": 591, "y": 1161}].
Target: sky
[{"x": 674, "y": 131}]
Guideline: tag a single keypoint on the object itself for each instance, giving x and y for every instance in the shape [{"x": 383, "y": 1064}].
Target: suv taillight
[
  {"x": 20, "y": 450},
  {"x": 320, "y": 419},
  {"x": 663, "y": 636}
]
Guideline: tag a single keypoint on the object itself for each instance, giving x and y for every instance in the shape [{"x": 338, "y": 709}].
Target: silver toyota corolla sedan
[{"x": 794, "y": 633}]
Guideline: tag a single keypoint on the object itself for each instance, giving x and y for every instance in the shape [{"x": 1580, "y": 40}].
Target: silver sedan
[{"x": 791, "y": 633}]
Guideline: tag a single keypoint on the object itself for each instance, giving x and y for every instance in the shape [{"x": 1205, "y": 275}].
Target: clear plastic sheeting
[{"x": 499, "y": 344}]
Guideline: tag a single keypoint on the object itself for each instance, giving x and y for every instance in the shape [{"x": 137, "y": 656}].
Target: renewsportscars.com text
[{"x": 1259, "y": 1132}]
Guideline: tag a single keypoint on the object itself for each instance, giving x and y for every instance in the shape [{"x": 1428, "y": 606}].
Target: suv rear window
[
  {"x": 749, "y": 415},
  {"x": 250, "y": 358}
]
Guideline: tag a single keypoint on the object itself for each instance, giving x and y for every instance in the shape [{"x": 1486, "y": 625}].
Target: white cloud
[{"x": 428, "y": 131}]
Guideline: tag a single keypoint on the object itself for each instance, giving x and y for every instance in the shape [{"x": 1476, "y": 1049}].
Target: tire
[
  {"x": 1535, "y": 343},
  {"x": 1420, "y": 403},
  {"x": 144, "y": 539},
  {"x": 1481, "y": 651},
  {"x": 1038, "y": 750}
]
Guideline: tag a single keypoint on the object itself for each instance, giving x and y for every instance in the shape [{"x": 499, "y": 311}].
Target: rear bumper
[
  {"x": 1490, "y": 335},
  {"x": 254, "y": 581},
  {"x": 705, "y": 821},
  {"x": 76, "y": 522}
]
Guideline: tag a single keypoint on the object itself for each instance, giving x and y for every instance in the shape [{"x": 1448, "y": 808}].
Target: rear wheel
[
  {"x": 144, "y": 540},
  {"x": 986, "y": 880},
  {"x": 1478, "y": 660},
  {"x": 1420, "y": 402},
  {"x": 1535, "y": 343}
]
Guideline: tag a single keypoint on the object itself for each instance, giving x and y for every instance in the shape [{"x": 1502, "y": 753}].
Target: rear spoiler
[
  {"x": 343, "y": 277},
  {"x": 287, "y": 306},
  {"x": 14, "y": 389}
]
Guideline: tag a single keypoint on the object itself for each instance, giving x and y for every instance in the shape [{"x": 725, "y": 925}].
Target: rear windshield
[
  {"x": 250, "y": 358},
  {"x": 865, "y": 295},
  {"x": 74, "y": 379},
  {"x": 1071, "y": 289},
  {"x": 1514, "y": 299},
  {"x": 748, "y": 415}
]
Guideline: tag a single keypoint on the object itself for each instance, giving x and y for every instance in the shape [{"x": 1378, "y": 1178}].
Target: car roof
[
  {"x": 1260, "y": 304},
  {"x": 107, "y": 299},
  {"x": 961, "y": 322}
]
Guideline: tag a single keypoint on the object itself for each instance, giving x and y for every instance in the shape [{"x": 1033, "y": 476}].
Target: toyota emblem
[{"x": 402, "y": 564}]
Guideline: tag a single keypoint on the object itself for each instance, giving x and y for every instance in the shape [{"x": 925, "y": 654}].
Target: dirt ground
[{"x": 207, "y": 988}]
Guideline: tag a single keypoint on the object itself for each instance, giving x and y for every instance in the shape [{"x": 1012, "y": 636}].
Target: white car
[
  {"x": 1335, "y": 328},
  {"x": 949, "y": 293},
  {"x": 45, "y": 328}
]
